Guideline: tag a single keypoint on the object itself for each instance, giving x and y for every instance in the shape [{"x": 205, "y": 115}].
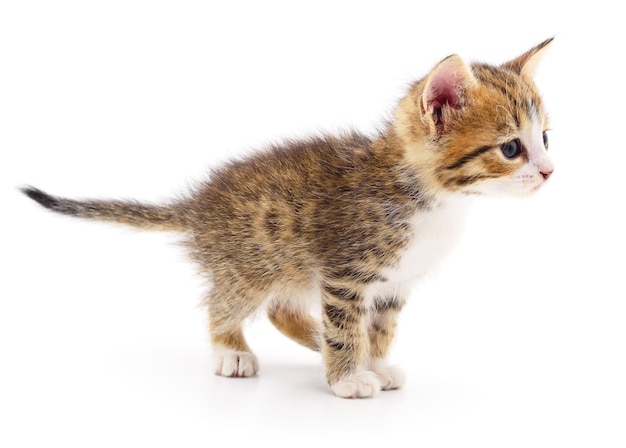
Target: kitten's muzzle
[{"x": 546, "y": 173}]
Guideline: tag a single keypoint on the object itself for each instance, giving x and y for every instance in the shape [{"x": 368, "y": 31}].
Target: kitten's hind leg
[
  {"x": 231, "y": 355},
  {"x": 295, "y": 323}
]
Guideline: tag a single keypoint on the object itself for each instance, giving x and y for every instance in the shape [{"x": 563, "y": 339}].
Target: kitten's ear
[
  {"x": 526, "y": 64},
  {"x": 446, "y": 88}
]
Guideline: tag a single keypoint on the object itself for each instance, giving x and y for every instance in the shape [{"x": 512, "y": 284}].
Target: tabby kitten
[{"x": 345, "y": 224}]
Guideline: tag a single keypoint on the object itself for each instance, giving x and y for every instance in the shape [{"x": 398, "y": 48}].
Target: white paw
[
  {"x": 234, "y": 364},
  {"x": 362, "y": 384},
  {"x": 390, "y": 377}
]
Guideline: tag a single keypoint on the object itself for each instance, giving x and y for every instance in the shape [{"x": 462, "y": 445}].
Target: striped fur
[{"x": 346, "y": 223}]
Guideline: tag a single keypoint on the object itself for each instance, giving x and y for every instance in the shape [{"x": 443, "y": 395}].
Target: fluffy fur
[{"x": 347, "y": 223}]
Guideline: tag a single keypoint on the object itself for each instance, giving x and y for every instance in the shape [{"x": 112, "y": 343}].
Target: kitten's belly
[{"x": 435, "y": 234}]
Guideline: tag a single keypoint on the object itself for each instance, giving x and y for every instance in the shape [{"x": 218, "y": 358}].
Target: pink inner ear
[{"x": 444, "y": 89}]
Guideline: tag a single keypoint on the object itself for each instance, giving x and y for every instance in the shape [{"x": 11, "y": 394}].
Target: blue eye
[
  {"x": 545, "y": 139},
  {"x": 511, "y": 149}
]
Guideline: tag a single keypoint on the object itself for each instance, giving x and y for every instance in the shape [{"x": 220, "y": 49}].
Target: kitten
[{"x": 346, "y": 224}]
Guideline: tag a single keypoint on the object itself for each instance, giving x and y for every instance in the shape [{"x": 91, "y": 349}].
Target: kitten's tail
[{"x": 149, "y": 217}]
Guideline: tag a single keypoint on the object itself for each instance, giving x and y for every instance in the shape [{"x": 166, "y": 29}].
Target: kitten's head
[{"x": 478, "y": 128}]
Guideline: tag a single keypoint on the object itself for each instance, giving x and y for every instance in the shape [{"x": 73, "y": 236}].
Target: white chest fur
[{"x": 435, "y": 233}]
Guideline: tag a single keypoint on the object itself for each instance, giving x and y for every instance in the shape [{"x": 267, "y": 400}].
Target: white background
[{"x": 519, "y": 340}]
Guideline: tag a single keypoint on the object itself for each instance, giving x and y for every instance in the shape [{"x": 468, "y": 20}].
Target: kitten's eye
[
  {"x": 511, "y": 149},
  {"x": 546, "y": 143}
]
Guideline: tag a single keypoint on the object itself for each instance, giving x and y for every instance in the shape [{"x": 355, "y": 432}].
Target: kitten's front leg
[
  {"x": 382, "y": 328},
  {"x": 345, "y": 345}
]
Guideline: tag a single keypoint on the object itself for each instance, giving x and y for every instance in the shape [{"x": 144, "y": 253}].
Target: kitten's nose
[{"x": 546, "y": 173}]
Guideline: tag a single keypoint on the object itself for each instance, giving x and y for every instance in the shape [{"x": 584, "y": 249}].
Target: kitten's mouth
[
  {"x": 531, "y": 185},
  {"x": 533, "y": 189},
  {"x": 527, "y": 189}
]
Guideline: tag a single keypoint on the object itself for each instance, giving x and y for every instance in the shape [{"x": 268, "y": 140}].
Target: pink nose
[{"x": 546, "y": 174}]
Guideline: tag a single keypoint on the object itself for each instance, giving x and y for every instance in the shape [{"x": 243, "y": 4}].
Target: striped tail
[{"x": 149, "y": 217}]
